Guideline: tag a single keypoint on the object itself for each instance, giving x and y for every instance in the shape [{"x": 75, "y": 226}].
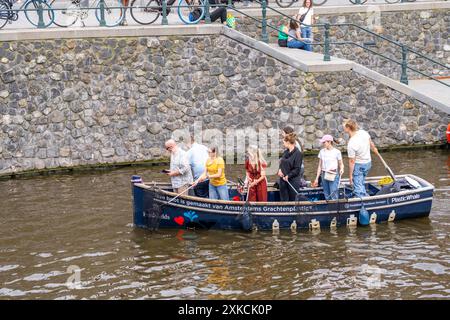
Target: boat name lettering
[
  {"x": 304, "y": 208},
  {"x": 279, "y": 209},
  {"x": 405, "y": 198},
  {"x": 165, "y": 217}
]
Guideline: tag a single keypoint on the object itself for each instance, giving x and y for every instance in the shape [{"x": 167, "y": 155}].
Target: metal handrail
[
  {"x": 351, "y": 43},
  {"x": 327, "y": 26},
  {"x": 264, "y": 34},
  {"x": 388, "y": 58},
  {"x": 391, "y": 41},
  {"x": 361, "y": 28}
]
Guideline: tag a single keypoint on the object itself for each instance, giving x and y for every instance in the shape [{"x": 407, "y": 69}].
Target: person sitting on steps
[
  {"x": 283, "y": 35},
  {"x": 219, "y": 12},
  {"x": 295, "y": 40}
]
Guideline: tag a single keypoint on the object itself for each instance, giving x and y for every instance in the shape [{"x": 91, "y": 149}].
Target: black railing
[
  {"x": 326, "y": 45},
  {"x": 327, "y": 27}
]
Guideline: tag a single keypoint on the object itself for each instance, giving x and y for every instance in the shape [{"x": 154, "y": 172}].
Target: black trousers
[
  {"x": 202, "y": 189},
  {"x": 286, "y": 191},
  {"x": 282, "y": 43},
  {"x": 219, "y": 13}
]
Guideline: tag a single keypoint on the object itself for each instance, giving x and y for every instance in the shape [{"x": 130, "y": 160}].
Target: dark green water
[{"x": 50, "y": 226}]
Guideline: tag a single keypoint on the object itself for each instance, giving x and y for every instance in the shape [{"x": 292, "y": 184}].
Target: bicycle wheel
[
  {"x": 114, "y": 12},
  {"x": 66, "y": 14},
  {"x": 284, "y": 3},
  {"x": 144, "y": 11},
  {"x": 186, "y": 11},
  {"x": 4, "y": 14},
  {"x": 318, "y": 2},
  {"x": 32, "y": 15}
]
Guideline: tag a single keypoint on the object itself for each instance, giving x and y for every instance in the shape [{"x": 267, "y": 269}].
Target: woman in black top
[{"x": 290, "y": 164}]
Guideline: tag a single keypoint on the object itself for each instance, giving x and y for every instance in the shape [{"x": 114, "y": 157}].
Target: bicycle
[
  {"x": 8, "y": 14},
  {"x": 146, "y": 12},
  {"x": 68, "y": 15},
  {"x": 288, "y": 3}
]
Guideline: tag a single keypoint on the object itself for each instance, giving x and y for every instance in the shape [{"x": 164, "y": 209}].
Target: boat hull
[{"x": 152, "y": 210}]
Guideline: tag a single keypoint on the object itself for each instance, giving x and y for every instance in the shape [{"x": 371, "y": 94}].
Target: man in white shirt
[
  {"x": 197, "y": 156},
  {"x": 180, "y": 171},
  {"x": 359, "y": 159}
]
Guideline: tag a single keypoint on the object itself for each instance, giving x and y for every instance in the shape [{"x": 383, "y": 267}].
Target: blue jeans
[
  {"x": 330, "y": 188},
  {"x": 359, "y": 179},
  {"x": 306, "y": 33},
  {"x": 297, "y": 44},
  {"x": 219, "y": 192}
]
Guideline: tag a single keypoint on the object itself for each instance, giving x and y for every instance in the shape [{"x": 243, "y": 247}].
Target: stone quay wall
[
  {"x": 421, "y": 26},
  {"x": 71, "y": 102}
]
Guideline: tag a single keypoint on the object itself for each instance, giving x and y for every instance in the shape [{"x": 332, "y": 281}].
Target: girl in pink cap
[{"x": 331, "y": 168}]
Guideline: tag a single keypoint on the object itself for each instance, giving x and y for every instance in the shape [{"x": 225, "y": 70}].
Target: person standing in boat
[
  {"x": 289, "y": 171},
  {"x": 215, "y": 172},
  {"x": 198, "y": 155},
  {"x": 287, "y": 130},
  {"x": 180, "y": 171},
  {"x": 329, "y": 164},
  {"x": 359, "y": 159},
  {"x": 255, "y": 167}
]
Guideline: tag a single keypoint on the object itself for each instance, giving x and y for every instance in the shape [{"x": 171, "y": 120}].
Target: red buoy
[{"x": 448, "y": 133}]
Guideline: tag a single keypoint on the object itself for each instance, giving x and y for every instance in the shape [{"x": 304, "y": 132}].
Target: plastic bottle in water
[
  {"x": 275, "y": 225},
  {"x": 294, "y": 225}
]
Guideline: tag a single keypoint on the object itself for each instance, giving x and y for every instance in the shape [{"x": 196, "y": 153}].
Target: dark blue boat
[{"x": 155, "y": 207}]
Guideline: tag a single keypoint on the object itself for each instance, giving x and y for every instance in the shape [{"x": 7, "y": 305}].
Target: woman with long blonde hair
[{"x": 255, "y": 166}]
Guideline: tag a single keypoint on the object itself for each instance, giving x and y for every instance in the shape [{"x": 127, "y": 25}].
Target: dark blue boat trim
[
  {"x": 294, "y": 211},
  {"x": 151, "y": 210}
]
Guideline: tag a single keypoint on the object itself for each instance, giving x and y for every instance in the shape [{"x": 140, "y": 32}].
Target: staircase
[{"x": 429, "y": 92}]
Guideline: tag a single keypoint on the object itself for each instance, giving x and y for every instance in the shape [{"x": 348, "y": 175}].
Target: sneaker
[{"x": 124, "y": 22}]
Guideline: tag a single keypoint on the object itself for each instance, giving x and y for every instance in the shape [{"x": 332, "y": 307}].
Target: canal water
[{"x": 71, "y": 237}]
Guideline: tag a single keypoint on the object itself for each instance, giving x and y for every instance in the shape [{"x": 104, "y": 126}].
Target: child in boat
[
  {"x": 329, "y": 164},
  {"x": 215, "y": 172},
  {"x": 255, "y": 167}
]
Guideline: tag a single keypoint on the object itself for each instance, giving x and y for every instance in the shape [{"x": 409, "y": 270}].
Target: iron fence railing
[
  {"x": 326, "y": 44},
  {"x": 162, "y": 9}
]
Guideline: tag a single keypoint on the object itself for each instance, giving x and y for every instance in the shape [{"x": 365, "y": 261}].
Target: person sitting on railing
[
  {"x": 219, "y": 12},
  {"x": 306, "y": 16},
  {"x": 295, "y": 40}
]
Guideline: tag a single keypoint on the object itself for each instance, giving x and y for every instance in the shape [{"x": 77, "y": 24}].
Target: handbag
[
  {"x": 303, "y": 16},
  {"x": 329, "y": 176}
]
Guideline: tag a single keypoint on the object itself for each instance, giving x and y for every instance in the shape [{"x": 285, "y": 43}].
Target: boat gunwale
[
  {"x": 312, "y": 213},
  {"x": 427, "y": 187}
]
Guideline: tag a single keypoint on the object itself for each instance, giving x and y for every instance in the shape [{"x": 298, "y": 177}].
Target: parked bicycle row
[
  {"x": 114, "y": 12},
  {"x": 288, "y": 3},
  {"x": 110, "y": 12}
]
